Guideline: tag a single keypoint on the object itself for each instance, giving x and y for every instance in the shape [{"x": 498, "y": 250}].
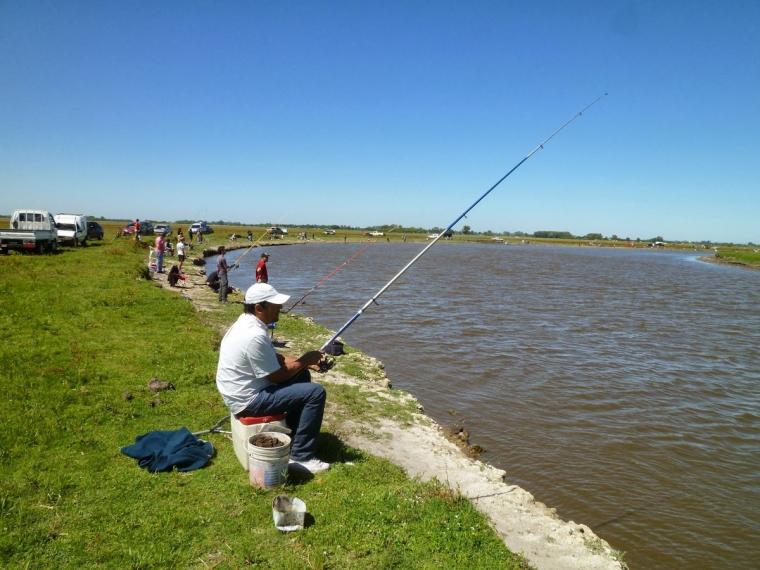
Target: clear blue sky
[{"x": 364, "y": 113}]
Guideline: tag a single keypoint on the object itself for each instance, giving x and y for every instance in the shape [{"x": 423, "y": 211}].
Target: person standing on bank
[
  {"x": 254, "y": 380},
  {"x": 181, "y": 251},
  {"x": 261, "y": 269},
  {"x": 221, "y": 270},
  {"x": 160, "y": 250}
]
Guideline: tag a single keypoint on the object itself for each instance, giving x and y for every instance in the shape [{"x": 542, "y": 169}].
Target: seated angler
[
  {"x": 254, "y": 380},
  {"x": 212, "y": 280}
]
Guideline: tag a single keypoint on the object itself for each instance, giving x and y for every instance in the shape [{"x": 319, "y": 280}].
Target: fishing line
[
  {"x": 247, "y": 251},
  {"x": 385, "y": 287},
  {"x": 328, "y": 276},
  {"x": 255, "y": 243}
]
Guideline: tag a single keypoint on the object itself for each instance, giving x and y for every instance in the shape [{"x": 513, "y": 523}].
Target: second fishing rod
[
  {"x": 327, "y": 277},
  {"x": 403, "y": 270}
]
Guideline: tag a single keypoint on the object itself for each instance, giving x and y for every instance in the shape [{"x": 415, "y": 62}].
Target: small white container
[{"x": 288, "y": 514}]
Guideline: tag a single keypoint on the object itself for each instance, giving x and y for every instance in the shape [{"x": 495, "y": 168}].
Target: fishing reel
[
  {"x": 335, "y": 348},
  {"x": 326, "y": 364}
]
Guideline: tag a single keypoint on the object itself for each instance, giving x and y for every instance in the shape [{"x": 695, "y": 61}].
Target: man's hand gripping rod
[{"x": 385, "y": 287}]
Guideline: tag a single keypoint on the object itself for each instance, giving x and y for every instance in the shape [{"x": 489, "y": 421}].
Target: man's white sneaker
[{"x": 312, "y": 465}]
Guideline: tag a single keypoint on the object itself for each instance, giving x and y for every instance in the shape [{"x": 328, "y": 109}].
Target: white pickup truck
[{"x": 30, "y": 230}]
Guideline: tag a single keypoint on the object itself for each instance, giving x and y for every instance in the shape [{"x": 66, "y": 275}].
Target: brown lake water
[{"x": 620, "y": 386}]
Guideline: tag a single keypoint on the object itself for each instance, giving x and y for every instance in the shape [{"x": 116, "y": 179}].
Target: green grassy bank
[
  {"x": 739, "y": 256},
  {"x": 82, "y": 336}
]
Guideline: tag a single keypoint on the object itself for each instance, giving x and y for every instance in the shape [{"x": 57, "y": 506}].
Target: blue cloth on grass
[{"x": 165, "y": 450}]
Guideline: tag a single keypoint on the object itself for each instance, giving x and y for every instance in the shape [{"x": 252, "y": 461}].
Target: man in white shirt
[
  {"x": 256, "y": 381},
  {"x": 181, "y": 251}
]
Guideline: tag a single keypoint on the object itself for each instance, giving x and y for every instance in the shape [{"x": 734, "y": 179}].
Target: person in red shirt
[
  {"x": 261, "y": 269},
  {"x": 137, "y": 229}
]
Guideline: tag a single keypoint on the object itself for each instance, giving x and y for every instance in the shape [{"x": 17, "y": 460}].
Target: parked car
[
  {"x": 165, "y": 229},
  {"x": 329, "y": 232},
  {"x": 374, "y": 233},
  {"x": 146, "y": 228},
  {"x": 94, "y": 230},
  {"x": 202, "y": 227},
  {"x": 277, "y": 232},
  {"x": 30, "y": 230},
  {"x": 72, "y": 228}
]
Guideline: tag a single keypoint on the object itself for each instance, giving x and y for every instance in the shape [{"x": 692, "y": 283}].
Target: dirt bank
[{"x": 422, "y": 450}]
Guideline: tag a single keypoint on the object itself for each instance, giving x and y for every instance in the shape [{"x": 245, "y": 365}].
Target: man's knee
[{"x": 318, "y": 392}]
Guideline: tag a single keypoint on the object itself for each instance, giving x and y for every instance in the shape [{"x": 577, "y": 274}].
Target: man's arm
[{"x": 290, "y": 366}]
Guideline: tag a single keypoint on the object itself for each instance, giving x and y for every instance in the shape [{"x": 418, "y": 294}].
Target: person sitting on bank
[
  {"x": 213, "y": 281},
  {"x": 174, "y": 276},
  {"x": 254, "y": 380}
]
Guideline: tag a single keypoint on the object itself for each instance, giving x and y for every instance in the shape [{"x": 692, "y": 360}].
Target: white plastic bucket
[{"x": 268, "y": 466}]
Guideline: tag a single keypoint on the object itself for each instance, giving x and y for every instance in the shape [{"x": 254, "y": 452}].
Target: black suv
[{"x": 94, "y": 230}]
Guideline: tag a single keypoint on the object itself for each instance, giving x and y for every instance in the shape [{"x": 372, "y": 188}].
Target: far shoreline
[{"x": 727, "y": 262}]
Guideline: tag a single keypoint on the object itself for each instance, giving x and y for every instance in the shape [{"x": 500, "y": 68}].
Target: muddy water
[{"x": 620, "y": 386}]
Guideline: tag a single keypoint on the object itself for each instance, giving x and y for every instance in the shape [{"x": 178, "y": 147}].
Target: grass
[
  {"x": 83, "y": 336},
  {"x": 596, "y": 546},
  {"x": 740, "y": 256}
]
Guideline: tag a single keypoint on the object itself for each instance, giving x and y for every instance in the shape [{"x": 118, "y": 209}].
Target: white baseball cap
[{"x": 260, "y": 292}]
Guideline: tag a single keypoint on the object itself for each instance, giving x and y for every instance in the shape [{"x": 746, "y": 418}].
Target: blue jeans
[
  {"x": 304, "y": 403},
  {"x": 160, "y": 261}
]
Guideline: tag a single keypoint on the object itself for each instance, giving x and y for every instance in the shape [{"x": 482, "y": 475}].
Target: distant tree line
[
  {"x": 553, "y": 235},
  {"x": 466, "y": 230}
]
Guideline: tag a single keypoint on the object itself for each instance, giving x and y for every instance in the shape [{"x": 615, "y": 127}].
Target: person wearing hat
[
  {"x": 261, "y": 269},
  {"x": 254, "y": 380}
]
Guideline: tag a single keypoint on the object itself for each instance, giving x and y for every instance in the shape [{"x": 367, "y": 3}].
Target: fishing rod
[
  {"x": 385, "y": 287},
  {"x": 326, "y": 277}
]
